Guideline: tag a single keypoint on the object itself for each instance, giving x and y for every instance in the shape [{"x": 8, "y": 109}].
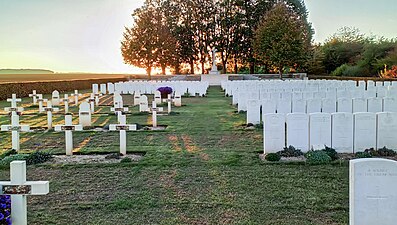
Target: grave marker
[
  {"x": 123, "y": 127},
  {"x": 15, "y": 129},
  {"x": 320, "y": 130},
  {"x": 34, "y": 96},
  {"x": 154, "y": 109},
  {"x": 40, "y": 100},
  {"x": 387, "y": 130},
  {"x": 55, "y": 98},
  {"x": 273, "y": 132},
  {"x": 14, "y": 108},
  {"x": 76, "y": 96},
  {"x": 68, "y": 128},
  {"x": 85, "y": 114},
  {"x": 342, "y": 132},
  {"x": 49, "y": 109},
  {"x": 298, "y": 131},
  {"x": 364, "y": 131}
]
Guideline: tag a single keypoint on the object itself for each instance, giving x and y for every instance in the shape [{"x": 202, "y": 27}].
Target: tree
[{"x": 282, "y": 38}]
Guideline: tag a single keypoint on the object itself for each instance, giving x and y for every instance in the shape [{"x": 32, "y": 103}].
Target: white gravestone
[
  {"x": 157, "y": 97},
  {"x": 68, "y": 128},
  {"x": 95, "y": 88},
  {"x": 387, "y": 130},
  {"x": 372, "y": 192},
  {"x": 49, "y": 109},
  {"x": 85, "y": 114},
  {"x": 342, "y": 132},
  {"x": 55, "y": 100},
  {"x": 345, "y": 105},
  {"x": 284, "y": 106},
  {"x": 19, "y": 189},
  {"x": 177, "y": 99},
  {"x": 40, "y": 100},
  {"x": 313, "y": 105},
  {"x": 15, "y": 128},
  {"x": 320, "y": 130},
  {"x": 91, "y": 101},
  {"x": 389, "y": 104},
  {"x": 328, "y": 105},
  {"x": 143, "y": 104},
  {"x": 268, "y": 106},
  {"x": 65, "y": 101},
  {"x": 96, "y": 96},
  {"x": 14, "y": 108},
  {"x": 110, "y": 88},
  {"x": 103, "y": 89},
  {"x": 375, "y": 105},
  {"x": 359, "y": 105},
  {"x": 122, "y": 127},
  {"x": 253, "y": 112},
  {"x": 298, "y": 106},
  {"x": 298, "y": 131},
  {"x": 76, "y": 96},
  {"x": 364, "y": 131},
  {"x": 154, "y": 109},
  {"x": 273, "y": 132},
  {"x": 137, "y": 96},
  {"x": 34, "y": 96}
]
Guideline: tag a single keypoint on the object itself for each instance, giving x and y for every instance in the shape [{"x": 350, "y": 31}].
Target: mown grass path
[{"x": 204, "y": 169}]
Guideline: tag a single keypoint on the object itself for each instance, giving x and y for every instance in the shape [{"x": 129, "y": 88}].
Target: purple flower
[
  {"x": 1, "y": 216},
  {"x": 165, "y": 90}
]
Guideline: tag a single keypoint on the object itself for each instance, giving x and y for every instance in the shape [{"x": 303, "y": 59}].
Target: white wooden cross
[
  {"x": 49, "y": 109},
  {"x": 97, "y": 95},
  {"x": 123, "y": 128},
  {"x": 19, "y": 188},
  {"x": 91, "y": 100},
  {"x": 34, "y": 96},
  {"x": 15, "y": 128},
  {"x": 154, "y": 111},
  {"x": 14, "y": 107},
  {"x": 76, "y": 96},
  {"x": 169, "y": 100},
  {"x": 68, "y": 128},
  {"x": 65, "y": 101},
  {"x": 119, "y": 109},
  {"x": 40, "y": 100}
]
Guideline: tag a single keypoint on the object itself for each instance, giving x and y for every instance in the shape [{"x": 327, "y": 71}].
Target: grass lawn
[{"x": 203, "y": 169}]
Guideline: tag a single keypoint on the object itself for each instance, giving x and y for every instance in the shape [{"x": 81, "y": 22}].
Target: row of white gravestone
[
  {"x": 284, "y": 106},
  {"x": 345, "y": 132}
]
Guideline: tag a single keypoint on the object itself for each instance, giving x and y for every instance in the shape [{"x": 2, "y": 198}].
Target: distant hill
[{"x": 25, "y": 71}]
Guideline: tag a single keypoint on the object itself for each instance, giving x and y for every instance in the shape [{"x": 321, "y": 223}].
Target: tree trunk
[
  {"x": 235, "y": 67},
  {"x": 163, "y": 67},
  {"x": 177, "y": 69},
  {"x": 202, "y": 67},
  {"x": 281, "y": 73},
  {"x": 191, "y": 67},
  {"x": 149, "y": 72},
  {"x": 252, "y": 67}
]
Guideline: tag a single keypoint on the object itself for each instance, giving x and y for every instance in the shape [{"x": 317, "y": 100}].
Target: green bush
[
  {"x": 38, "y": 157},
  {"x": 363, "y": 155},
  {"x": 317, "y": 157},
  {"x": 341, "y": 70},
  {"x": 8, "y": 159},
  {"x": 273, "y": 157},
  {"x": 381, "y": 152},
  {"x": 331, "y": 153},
  {"x": 126, "y": 160},
  {"x": 8, "y": 153},
  {"x": 290, "y": 152}
]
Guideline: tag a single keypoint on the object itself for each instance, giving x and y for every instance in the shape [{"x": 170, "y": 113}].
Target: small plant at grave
[
  {"x": 317, "y": 157},
  {"x": 290, "y": 152},
  {"x": 5, "y": 209},
  {"x": 38, "y": 157},
  {"x": 8, "y": 159},
  {"x": 8, "y": 153},
  {"x": 273, "y": 157},
  {"x": 381, "y": 152},
  {"x": 363, "y": 155},
  {"x": 165, "y": 91},
  {"x": 126, "y": 160},
  {"x": 331, "y": 153}
]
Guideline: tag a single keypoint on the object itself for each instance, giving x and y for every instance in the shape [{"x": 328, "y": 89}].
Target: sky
[{"x": 85, "y": 35}]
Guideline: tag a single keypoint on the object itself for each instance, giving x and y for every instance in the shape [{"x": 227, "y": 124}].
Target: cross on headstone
[
  {"x": 169, "y": 100},
  {"x": 14, "y": 107},
  {"x": 40, "y": 100},
  {"x": 15, "y": 128},
  {"x": 68, "y": 128},
  {"x": 76, "y": 96},
  {"x": 34, "y": 96},
  {"x": 19, "y": 188},
  {"x": 123, "y": 127},
  {"x": 65, "y": 101},
  {"x": 154, "y": 111},
  {"x": 49, "y": 109},
  {"x": 91, "y": 100}
]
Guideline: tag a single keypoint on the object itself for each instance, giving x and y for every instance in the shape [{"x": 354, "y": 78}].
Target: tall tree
[{"x": 282, "y": 38}]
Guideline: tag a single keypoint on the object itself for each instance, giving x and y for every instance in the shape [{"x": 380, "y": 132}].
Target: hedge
[{"x": 46, "y": 87}]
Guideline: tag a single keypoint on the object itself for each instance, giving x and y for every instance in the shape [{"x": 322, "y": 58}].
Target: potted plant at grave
[{"x": 165, "y": 91}]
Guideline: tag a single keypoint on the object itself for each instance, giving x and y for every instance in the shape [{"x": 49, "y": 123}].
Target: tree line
[{"x": 272, "y": 35}]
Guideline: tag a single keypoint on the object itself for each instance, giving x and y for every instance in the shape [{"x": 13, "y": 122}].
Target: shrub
[
  {"x": 126, "y": 160},
  {"x": 363, "y": 155},
  {"x": 165, "y": 91},
  {"x": 380, "y": 152},
  {"x": 317, "y": 157},
  {"x": 290, "y": 152},
  {"x": 8, "y": 159},
  {"x": 273, "y": 157},
  {"x": 331, "y": 153},
  {"x": 38, "y": 157},
  {"x": 5, "y": 209}
]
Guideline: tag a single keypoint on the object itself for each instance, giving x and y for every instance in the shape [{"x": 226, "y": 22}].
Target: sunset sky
[{"x": 85, "y": 35}]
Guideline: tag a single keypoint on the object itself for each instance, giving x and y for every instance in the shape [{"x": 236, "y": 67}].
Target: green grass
[{"x": 204, "y": 169}]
